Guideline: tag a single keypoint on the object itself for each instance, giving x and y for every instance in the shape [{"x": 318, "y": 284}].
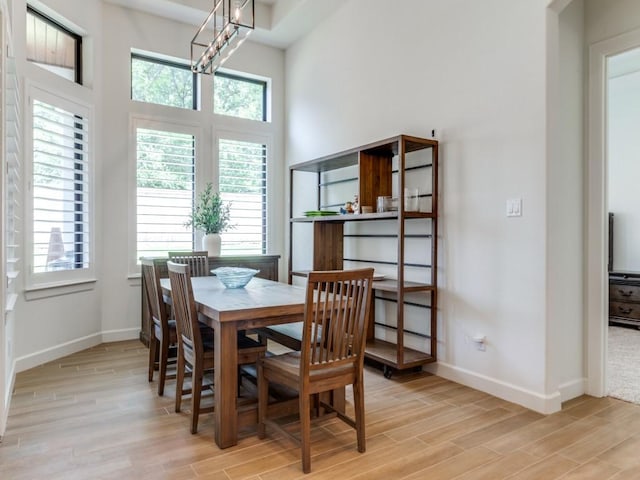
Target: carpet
[{"x": 623, "y": 364}]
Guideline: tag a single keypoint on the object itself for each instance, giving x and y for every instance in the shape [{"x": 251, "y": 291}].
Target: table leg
[{"x": 226, "y": 385}]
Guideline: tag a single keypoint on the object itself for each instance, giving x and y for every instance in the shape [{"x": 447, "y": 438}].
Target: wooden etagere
[{"x": 373, "y": 170}]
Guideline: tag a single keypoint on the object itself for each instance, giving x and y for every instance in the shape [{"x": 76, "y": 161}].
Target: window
[
  {"x": 240, "y": 97},
  {"x": 53, "y": 46},
  {"x": 165, "y": 175},
  {"x": 243, "y": 182},
  {"x": 60, "y": 187},
  {"x": 163, "y": 82}
]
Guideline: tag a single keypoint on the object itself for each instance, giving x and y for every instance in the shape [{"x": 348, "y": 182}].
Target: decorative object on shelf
[
  {"x": 366, "y": 209},
  {"x": 234, "y": 277},
  {"x": 231, "y": 21},
  {"x": 320, "y": 213},
  {"x": 356, "y": 204},
  {"x": 384, "y": 204},
  {"x": 212, "y": 216}
]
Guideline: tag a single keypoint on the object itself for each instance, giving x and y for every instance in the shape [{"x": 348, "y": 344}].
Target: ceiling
[{"x": 279, "y": 23}]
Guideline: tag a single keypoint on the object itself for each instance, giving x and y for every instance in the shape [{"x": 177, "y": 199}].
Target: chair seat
[
  {"x": 287, "y": 334},
  {"x": 288, "y": 365}
]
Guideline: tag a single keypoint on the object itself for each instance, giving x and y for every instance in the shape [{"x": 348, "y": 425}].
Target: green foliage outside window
[
  {"x": 161, "y": 83},
  {"x": 238, "y": 97}
]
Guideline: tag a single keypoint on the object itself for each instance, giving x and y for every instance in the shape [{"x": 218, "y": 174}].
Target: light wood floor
[{"x": 93, "y": 415}]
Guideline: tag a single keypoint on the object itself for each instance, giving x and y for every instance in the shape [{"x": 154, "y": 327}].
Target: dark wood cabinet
[
  {"x": 624, "y": 298},
  {"x": 400, "y": 241},
  {"x": 267, "y": 264}
]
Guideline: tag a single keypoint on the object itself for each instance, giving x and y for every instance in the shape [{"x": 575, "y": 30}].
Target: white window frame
[
  {"x": 163, "y": 124},
  {"x": 44, "y": 280},
  {"x": 251, "y": 137}
]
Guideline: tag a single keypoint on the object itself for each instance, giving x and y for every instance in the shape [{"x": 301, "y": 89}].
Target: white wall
[
  {"x": 606, "y": 18},
  {"x": 474, "y": 71},
  {"x": 624, "y": 169}
]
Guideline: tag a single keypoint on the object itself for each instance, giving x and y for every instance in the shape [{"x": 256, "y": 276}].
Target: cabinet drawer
[
  {"x": 626, "y": 310},
  {"x": 624, "y": 293}
]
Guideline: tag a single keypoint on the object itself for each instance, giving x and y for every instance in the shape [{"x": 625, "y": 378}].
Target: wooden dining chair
[
  {"x": 163, "y": 334},
  {"x": 196, "y": 351},
  {"x": 197, "y": 260},
  {"x": 332, "y": 355}
]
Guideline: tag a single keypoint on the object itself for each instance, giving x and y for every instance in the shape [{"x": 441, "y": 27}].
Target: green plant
[{"x": 210, "y": 214}]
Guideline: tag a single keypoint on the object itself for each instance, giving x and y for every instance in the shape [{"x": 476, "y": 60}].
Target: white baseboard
[
  {"x": 545, "y": 404},
  {"x": 572, "y": 389},
  {"x": 52, "y": 353},
  {"x": 58, "y": 351},
  {"x": 120, "y": 335}
]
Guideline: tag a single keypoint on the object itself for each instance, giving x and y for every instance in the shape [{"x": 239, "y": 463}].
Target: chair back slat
[
  {"x": 155, "y": 302},
  {"x": 184, "y": 308},
  {"x": 197, "y": 260},
  {"x": 336, "y": 318}
]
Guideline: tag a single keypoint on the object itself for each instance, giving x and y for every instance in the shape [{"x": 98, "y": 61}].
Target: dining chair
[
  {"x": 163, "y": 334},
  {"x": 197, "y": 260},
  {"x": 332, "y": 355},
  {"x": 196, "y": 351}
]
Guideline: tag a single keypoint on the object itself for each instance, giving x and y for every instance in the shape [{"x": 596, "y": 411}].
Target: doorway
[
  {"x": 623, "y": 170},
  {"x": 618, "y": 51}
]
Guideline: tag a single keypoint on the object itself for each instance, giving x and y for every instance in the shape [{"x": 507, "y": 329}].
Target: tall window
[
  {"x": 240, "y": 96},
  {"x": 163, "y": 82},
  {"x": 243, "y": 182},
  {"x": 60, "y": 188},
  {"x": 53, "y": 46},
  {"x": 165, "y": 171}
]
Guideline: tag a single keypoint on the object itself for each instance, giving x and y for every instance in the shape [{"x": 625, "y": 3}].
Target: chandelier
[{"x": 231, "y": 22}]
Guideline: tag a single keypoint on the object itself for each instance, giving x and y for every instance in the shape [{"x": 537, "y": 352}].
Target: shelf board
[
  {"x": 387, "y": 353},
  {"x": 360, "y": 217},
  {"x": 391, "y": 285}
]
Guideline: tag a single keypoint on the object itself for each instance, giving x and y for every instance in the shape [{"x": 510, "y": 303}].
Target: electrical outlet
[{"x": 480, "y": 342}]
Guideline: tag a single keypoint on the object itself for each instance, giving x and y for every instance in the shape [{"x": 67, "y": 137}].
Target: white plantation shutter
[
  {"x": 165, "y": 184},
  {"x": 60, "y": 189},
  {"x": 243, "y": 182}
]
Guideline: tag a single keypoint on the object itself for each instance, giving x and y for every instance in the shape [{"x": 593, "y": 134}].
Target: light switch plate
[{"x": 514, "y": 207}]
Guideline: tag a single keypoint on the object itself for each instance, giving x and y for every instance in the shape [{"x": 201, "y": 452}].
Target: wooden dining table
[{"x": 260, "y": 303}]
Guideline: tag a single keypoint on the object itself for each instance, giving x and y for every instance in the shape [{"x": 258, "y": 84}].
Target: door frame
[{"x": 597, "y": 281}]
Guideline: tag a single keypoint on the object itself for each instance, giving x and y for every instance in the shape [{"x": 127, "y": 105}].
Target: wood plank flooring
[{"x": 93, "y": 415}]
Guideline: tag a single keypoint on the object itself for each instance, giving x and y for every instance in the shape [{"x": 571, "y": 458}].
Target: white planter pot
[{"x": 211, "y": 243}]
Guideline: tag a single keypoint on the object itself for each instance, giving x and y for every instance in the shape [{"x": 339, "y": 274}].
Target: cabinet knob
[
  {"x": 625, "y": 293},
  {"x": 625, "y": 311}
]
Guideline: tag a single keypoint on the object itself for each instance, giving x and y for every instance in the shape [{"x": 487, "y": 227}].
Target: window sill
[{"x": 57, "y": 289}]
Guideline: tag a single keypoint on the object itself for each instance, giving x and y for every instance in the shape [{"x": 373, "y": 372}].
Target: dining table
[{"x": 261, "y": 303}]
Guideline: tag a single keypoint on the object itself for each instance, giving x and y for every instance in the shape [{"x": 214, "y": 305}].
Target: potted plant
[{"x": 212, "y": 216}]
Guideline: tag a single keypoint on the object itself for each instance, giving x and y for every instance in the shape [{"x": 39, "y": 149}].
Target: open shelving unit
[{"x": 400, "y": 243}]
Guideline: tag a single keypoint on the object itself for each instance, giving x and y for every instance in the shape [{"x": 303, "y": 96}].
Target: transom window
[
  {"x": 163, "y": 82},
  {"x": 239, "y": 96},
  {"x": 53, "y": 46}
]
